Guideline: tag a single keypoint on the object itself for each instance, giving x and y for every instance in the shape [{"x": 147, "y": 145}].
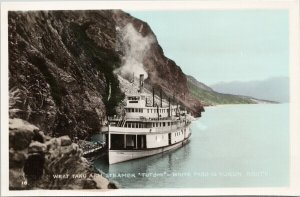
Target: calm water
[{"x": 231, "y": 146}]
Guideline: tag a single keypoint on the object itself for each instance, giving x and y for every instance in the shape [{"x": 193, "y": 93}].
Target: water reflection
[{"x": 144, "y": 169}]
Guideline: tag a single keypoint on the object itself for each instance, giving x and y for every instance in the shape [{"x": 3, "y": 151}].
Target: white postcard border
[{"x": 291, "y": 5}]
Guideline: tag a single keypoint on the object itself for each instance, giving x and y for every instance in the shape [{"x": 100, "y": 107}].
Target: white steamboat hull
[{"x": 117, "y": 156}]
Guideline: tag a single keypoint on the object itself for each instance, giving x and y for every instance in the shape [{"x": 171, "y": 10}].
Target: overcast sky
[{"x": 216, "y": 46}]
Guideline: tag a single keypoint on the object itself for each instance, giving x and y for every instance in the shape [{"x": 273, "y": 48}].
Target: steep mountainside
[
  {"x": 208, "y": 96},
  {"x": 161, "y": 72},
  {"x": 63, "y": 65}
]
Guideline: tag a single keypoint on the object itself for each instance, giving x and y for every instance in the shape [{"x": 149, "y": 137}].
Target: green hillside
[{"x": 210, "y": 97}]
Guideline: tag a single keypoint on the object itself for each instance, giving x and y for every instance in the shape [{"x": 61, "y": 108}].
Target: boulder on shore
[{"x": 36, "y": 160}]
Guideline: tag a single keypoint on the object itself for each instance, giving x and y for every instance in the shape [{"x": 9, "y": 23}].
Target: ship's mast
[{"x": 141, "y": 83}]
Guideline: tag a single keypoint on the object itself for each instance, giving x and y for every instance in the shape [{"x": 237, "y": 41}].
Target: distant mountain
[
  {"x": 274, "y": 89},
  {"x": 208, "y": 96}
]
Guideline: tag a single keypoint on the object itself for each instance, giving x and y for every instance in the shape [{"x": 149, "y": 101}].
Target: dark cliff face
[{"x": 61, "y": 65}]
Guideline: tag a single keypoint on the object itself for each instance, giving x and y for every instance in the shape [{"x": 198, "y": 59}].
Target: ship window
[
  {"x": 168, "y": 123},
  {"x": 157, "y": 124},
  {"x": 130, "y": 141},
  {"x": 164, "y": 124},
  {"x": 117, "y": 141},
  {"x": 148, "y": 111},
  {"x": 160, "y": 124}
]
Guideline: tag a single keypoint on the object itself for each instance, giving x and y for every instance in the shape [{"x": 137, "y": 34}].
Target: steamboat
[{"x": 145, "y": 129}]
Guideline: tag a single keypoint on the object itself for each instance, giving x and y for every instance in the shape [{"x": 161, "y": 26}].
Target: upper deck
[{"x": 136, "y": 107}]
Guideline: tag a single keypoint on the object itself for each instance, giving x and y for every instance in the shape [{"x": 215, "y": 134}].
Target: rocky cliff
[
  {"x": 162, "y": 72},
  {"x": 64, "y": 66},
  {"x": 61, "y": 63}
]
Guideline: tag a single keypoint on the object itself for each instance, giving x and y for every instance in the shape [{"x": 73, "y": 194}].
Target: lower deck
[
  {"x": 117, "y": 156},
  {"x": 141, "y": 141}
]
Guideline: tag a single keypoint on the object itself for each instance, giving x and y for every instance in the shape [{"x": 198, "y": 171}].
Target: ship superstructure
[{"x": 144, "y": 130}]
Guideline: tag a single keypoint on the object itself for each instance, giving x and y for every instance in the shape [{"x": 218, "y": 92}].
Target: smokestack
[
  {"x": 153, "y": 97},
  {"x": 141, "y": 83},
  {"x": 160, "y": 94}
]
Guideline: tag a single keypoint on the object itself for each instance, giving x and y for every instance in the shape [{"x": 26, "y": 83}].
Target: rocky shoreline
[{"x": 37, "y": 161}]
